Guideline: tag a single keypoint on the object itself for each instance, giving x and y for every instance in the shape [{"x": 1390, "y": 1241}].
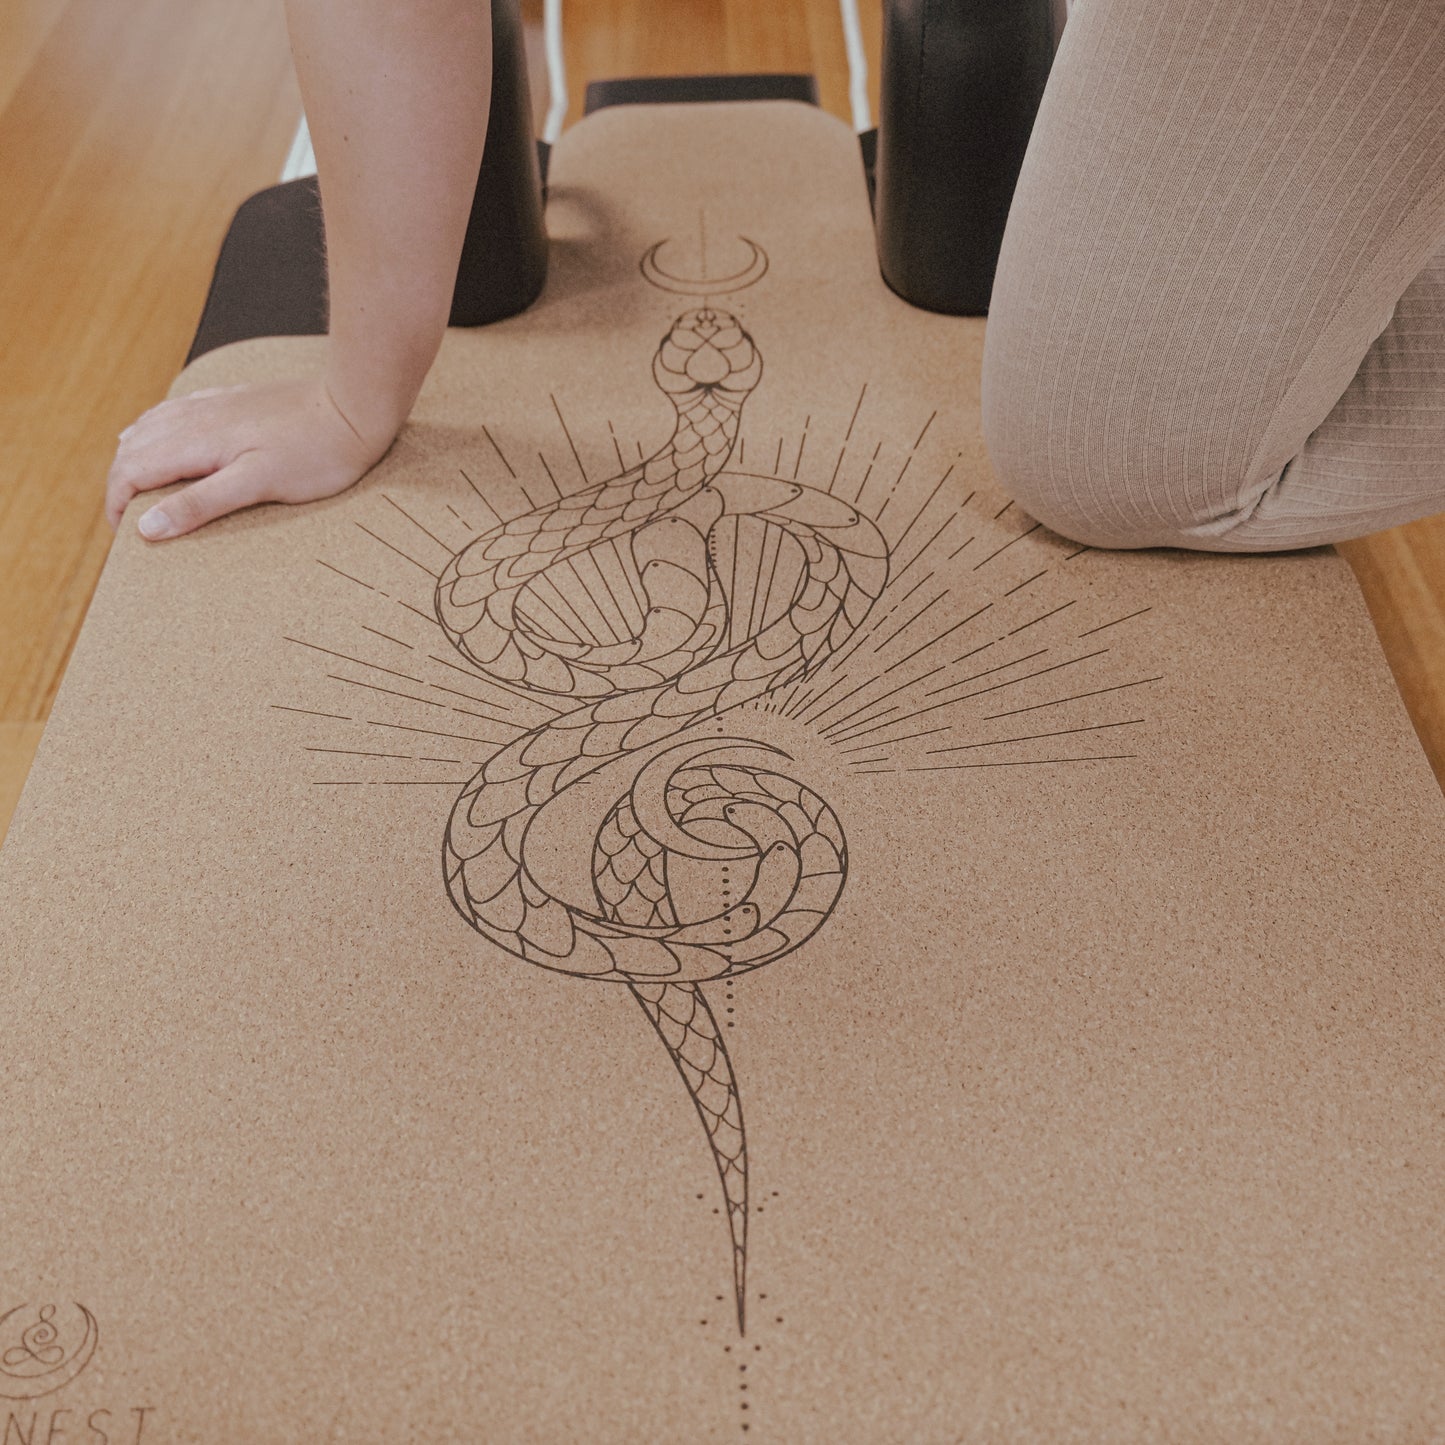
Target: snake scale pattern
[{"x": 643, "y": 611}]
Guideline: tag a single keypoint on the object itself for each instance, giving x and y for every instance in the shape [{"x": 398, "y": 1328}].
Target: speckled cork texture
[{"x": 673, "y": 912}]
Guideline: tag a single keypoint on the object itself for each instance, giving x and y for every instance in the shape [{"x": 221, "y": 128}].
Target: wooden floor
[{"x": 128, "y": 135}]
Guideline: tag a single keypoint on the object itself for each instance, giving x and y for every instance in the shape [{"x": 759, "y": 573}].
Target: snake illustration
[{"x": 631, "y": 839}]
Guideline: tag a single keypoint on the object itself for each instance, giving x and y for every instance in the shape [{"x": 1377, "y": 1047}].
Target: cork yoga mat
[{"x": 673, "y": 912}]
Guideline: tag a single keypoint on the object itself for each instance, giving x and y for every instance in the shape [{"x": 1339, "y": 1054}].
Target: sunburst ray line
[
  {"x": 389, "y": 671},
  {"x": 1126, "y": 618},
  {"x": 404, "y": 757},
  {"x": 624, "y": 622},
  {"x": 918, "y": 515},
  {"x": 1044, "y": 616},
  {"x": 837, "y": 659},
  {"x": 987, "y": 672},
  {"x": 312, "y": 712},
  {"x": 543, "y": 590},
  {"x": 331, "y": 567},
  {"x": 998, "y": 552},
  {"x": 634, "y": 587},
  {"x": 1034, "y": 737},
  {"x": 461, "y": 519},
  {"x": 1019, "y": 586},
  {"x": 871, "y": 627},
  {"x": 1019, "y": 763},
  {"x": 501, "y": 455},
  {"x": 506, "y": 689},
  {"x": 938, "y": 596},
  {"x": 567, "y": 432},
  {"x": 480, "y": 495},
  {"x": 923, "y": 551},
  {"x": 863, "y": 486},
  {"x": 808, "y": 697},
  {"x": 386, "y": 783},
  {"x": 1034, "y": 707},
  {"x": 425, "y": 701},
  {"x": 476, "y": 677},
  {"x": 845, "y": 722},
  {"x": 922, "y": 581},
  {"x": 1028, "y": 676},
  {"x": 895, "y": 742},
  {"x": 426, "y": 531},
  {"x": 903, "y": 470},
  {"x": 775, "y": 537},
  {"x": 437, "y": 733},
  {"x": 858, "y": 406},
  {"x": 906, "y": 658},
  {"x": 786, "y": 698},
  {"x": 852, "y": 734},
  {"x": 1008, "y": 504},
  {"x": 872, "y": 702},
  {"x": 761, "y": 555},
  {"x": 847, "y": 437},
  {"x": 798, "y": 462},
  {"x": 589, "y": 581},
  {"x": 616, "y": 446},
  {"x": 377, "y": 632},
  {"x": 415, "y": 611},
  {"x": 556, "y": 485},
  {"x": 391, "y": 546},
  {"x": 551, "y": 619},
  {"x": 923, "y": 612}
]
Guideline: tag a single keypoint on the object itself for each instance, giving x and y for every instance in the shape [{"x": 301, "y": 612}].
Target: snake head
[{"x": 707, "y": 350}]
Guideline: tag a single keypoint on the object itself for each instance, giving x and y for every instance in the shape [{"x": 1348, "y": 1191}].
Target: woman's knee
[{"x": 1092, "y": 480}]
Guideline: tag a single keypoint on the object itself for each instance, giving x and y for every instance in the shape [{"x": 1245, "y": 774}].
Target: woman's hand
[
  {"x": 284, "y": 441},
  {"x": 396, "y": 98}
]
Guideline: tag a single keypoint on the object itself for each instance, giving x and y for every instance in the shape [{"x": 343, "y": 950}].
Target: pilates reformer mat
[{"x": 673, "y": 912}]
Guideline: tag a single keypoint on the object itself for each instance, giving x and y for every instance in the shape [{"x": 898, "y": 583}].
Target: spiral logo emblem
[{"x": 43, "y": 1349}]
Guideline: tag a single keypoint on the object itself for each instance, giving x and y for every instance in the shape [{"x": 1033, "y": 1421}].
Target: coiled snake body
[{"x": 647, "y": 607}]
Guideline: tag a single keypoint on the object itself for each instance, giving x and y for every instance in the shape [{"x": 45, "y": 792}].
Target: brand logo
[{"x": 43, "y": 1349}]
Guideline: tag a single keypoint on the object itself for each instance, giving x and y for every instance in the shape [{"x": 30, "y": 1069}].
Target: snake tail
[{"x": 685, "y": 1023}]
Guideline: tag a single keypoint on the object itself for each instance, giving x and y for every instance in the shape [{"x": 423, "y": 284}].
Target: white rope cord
[
  {"x": 556, "y": 71},
  {"x": 857, "y": 66}
]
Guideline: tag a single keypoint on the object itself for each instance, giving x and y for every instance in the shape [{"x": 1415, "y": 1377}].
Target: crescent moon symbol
[
  {"x": 19, "y": 1387},
  {"x": 753, "y": 272}
]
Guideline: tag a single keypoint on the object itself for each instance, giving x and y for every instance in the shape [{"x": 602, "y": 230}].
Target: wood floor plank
[
  {"x": 24, "y": 24},
  {"x": 1402, "y": 574},
  {"x": 125, "y": 146}
]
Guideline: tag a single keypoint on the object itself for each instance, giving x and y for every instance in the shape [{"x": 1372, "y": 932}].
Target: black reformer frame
[{"x": 961, "y": 82}]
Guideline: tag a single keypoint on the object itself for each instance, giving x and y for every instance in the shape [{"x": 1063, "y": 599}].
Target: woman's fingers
[
  {"x": 277, "y": 441},
  {"x": 242, "y": 484},
  {"x": 159, "y": 449}
]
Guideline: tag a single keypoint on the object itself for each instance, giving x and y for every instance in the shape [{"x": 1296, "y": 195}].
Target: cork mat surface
[{"x": 673, "y": 912}]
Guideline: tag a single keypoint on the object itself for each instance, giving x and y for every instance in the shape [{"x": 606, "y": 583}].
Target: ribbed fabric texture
[{"x": 1219, "y": 315}]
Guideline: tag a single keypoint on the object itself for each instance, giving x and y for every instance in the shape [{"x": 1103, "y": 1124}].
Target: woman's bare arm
[{"x": 397, "y": 97}]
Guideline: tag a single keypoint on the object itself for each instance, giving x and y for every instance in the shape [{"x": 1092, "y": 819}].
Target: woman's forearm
[{"x": 396, "y": 97}]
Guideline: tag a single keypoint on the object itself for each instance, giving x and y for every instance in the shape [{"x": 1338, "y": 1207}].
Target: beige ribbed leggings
[{"x": 1219, "y": 315}]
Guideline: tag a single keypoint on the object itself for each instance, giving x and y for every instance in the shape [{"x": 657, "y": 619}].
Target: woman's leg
[{"x": 1219, "y": 315}]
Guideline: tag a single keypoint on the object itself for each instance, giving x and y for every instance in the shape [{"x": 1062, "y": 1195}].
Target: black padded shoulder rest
[{"x": 960, "y": 86}]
